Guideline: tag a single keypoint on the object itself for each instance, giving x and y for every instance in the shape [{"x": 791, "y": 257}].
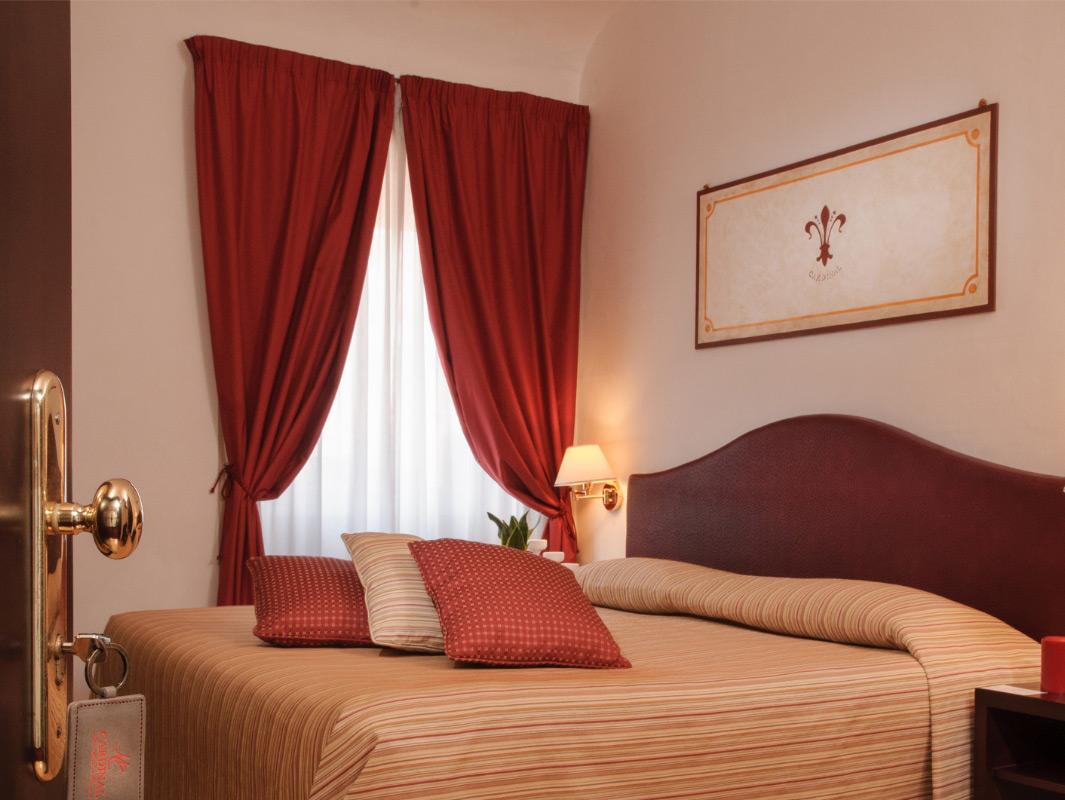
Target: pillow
[
  {"x": 308, "y": 601},
  {"x": 400, "y": 612},
  {"x": 498, "y": 605}
]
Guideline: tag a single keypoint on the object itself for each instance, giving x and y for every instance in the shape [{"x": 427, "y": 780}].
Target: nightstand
[{"x": 1019, "y": 749}]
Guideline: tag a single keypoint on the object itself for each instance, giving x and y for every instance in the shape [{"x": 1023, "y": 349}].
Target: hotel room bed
[
  {"x": 876, "y": 705},
  {"x": 741, "y": 687}
]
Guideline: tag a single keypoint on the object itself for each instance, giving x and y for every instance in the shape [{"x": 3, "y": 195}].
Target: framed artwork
[{"x": 891, "y": 230}]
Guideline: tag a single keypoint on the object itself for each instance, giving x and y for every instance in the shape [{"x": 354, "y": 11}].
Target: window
[{"x": 392, "y": 456}]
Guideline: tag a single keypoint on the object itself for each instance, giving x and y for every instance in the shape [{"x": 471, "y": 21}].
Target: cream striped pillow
[{"x": 399, "y": 609}]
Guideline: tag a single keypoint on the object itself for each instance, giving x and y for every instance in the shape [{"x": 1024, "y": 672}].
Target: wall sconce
[{"x": 585, "y": 465}]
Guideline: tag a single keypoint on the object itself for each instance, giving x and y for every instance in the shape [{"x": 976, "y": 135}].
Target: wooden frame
[{"x": 977, "y": 293}]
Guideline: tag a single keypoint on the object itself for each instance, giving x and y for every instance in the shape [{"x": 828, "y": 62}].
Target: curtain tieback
[{"x": 225, "y": 480}]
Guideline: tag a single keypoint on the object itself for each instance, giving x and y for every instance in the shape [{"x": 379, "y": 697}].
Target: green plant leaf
[
  {"x": 502, "y": 533},
  {"x": 514, "y": 533}
]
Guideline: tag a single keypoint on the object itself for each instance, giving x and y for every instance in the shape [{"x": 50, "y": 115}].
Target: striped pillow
[
  {"x": 308, "y": 601},
  {"x": 400, "y": 611}
]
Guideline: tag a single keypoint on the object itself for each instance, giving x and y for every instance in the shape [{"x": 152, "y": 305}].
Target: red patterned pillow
[
  {"x": 308, "y": 601},
  {"x": 498, "y": 605}
]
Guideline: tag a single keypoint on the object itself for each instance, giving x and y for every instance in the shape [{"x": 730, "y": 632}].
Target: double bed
[{"x": 847, "y": 677}]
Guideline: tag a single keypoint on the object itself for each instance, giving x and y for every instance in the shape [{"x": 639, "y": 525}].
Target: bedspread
[{"x": 741, "y": 688}]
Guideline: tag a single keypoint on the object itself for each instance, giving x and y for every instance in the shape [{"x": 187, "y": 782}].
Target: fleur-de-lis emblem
[
  {"x": 824, "y": 226},
  {"x": 120, "y": 760}
]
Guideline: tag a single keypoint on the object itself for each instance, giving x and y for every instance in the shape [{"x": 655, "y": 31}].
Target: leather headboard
[{"x": 846, "y": 497}]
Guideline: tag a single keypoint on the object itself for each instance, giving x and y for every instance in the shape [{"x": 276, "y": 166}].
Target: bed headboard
[{"x": 846, "y": 497}]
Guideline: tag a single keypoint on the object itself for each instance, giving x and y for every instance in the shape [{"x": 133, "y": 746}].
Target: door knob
[{"x": 115, "y": 518}]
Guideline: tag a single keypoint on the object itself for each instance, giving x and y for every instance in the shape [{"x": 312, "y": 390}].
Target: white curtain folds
[{"x": 392, "y": 456}]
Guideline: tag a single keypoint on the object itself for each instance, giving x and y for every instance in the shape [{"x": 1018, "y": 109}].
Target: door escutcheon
[{"x": 115, "y": 518}]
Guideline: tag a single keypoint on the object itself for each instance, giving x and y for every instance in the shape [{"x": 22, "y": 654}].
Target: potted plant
[{"x": 515, "y": 533}]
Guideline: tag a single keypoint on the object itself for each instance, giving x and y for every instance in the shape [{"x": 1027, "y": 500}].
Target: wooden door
[{"x": 35, "y": 326}]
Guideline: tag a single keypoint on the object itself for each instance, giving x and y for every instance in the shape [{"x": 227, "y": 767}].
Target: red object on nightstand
[{"x": 1053, "y": 664}]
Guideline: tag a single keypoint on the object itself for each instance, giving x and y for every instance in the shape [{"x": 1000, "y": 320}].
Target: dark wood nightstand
[{"x": 1019, "y": 750}]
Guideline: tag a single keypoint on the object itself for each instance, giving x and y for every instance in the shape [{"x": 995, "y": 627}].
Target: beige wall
[
  {"x": 145, "y": 400},
  {"x": 681, "y": 95},
  {"x": 686, "y": 94}
]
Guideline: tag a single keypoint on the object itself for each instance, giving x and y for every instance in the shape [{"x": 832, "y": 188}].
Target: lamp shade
[{"x": 584, "y": 464}]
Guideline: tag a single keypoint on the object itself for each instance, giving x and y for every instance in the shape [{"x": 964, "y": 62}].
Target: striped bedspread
[{"x": 793, "y": 689}]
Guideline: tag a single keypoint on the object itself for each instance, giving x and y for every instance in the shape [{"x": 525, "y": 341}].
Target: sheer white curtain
[{"x": 392, "y": 456}]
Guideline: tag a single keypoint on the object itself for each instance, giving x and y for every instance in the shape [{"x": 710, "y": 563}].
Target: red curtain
[
  {"x": 497, "y": 180},
  {"x": 290, "y": 156}
]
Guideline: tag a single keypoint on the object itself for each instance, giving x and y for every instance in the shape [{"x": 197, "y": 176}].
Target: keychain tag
[{"x": 106, "y": 758}]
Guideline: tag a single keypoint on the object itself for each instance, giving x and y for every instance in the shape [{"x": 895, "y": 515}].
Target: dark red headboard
[{"x": 846, "y": 497}]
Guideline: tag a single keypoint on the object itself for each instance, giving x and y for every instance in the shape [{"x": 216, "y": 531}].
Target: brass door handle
[{"x": 115, "y": 518}]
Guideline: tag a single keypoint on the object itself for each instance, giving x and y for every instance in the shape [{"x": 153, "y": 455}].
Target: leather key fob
[{"x": 106, "y": 758}]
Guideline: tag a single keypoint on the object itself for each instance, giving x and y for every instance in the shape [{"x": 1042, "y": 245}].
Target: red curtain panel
[
  {"x": 290, "y": 157},
  {"x": 497, "y": 180}
]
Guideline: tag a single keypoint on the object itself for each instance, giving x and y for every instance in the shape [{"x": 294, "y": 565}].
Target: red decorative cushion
[
  {"x": 308, "y": 601},
  {"x": 498, "y": 605}
]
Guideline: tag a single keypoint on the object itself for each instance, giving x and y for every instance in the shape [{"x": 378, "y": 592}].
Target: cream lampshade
[{"x": 583, "y": 465}]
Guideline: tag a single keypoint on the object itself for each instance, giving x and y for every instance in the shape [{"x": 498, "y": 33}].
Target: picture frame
[{"x": 894, "y": 229}]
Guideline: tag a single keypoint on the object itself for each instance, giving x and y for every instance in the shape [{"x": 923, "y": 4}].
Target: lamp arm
[{"x": 610, "y": 495}]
